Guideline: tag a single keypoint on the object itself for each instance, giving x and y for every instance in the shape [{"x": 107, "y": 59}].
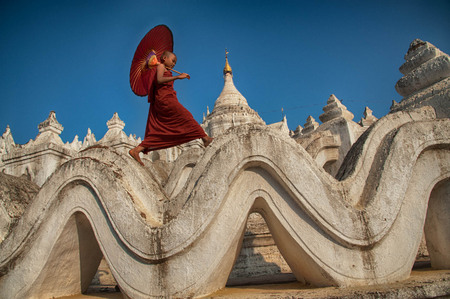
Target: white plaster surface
[{"x": 350, "y": 232}]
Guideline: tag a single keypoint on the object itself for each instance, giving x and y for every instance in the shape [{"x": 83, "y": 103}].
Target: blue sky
[{"x": 74, "y": 57}]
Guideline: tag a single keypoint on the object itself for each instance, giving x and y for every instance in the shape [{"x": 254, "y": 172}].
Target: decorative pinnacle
[
  {"x": 227, "y": 68},
  {"x": 50, "y": 124},
  {"x": 115, "y": 122}
]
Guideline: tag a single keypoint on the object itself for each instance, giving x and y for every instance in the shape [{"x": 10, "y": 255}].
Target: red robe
[{"x": 169, "y": 123}]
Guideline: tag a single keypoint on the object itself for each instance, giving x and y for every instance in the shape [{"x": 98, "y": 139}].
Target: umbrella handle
[{"x": 176, "y": 72}]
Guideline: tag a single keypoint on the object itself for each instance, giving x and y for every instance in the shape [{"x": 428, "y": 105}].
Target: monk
[{"x": 169, "y": 123}]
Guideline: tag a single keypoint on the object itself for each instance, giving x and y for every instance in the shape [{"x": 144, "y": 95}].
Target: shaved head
[{"x": 167, "y": 54}]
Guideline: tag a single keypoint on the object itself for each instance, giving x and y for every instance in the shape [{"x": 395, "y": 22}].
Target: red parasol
[{"x": 151, "y": 47}]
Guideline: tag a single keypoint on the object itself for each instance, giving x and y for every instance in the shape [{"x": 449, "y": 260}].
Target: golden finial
[{"x": 227, "y": 68}]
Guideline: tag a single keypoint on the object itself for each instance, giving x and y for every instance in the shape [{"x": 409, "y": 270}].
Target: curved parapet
[{"x": 181, "y": 239}]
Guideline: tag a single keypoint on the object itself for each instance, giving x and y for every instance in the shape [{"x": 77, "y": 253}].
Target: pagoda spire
[
  {"x": 230, "y": 109},
  {"x": 227, "y": 69},
  {"x": 229, "y": 96}
]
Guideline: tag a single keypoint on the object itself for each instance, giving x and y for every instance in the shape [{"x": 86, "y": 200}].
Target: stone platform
[{"x": 423, "y": 283}]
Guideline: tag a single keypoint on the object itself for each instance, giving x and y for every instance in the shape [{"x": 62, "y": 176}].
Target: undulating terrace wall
[{"x": 169, "y": 241}]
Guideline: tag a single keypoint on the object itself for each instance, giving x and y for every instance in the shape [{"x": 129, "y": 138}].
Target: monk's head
[{"x": 169, "y": 59}]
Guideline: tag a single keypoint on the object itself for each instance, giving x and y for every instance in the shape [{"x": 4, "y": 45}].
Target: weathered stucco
[
  {"x": 16, "y": 193},
  {"x": 346, "y": 204}
]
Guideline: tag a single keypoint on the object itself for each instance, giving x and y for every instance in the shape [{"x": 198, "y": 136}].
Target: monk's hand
[{"x": 184, "y": 76}]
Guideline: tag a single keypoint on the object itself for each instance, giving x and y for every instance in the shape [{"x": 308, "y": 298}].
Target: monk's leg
[
  {"x": 207, "y": 140},
  {"x": 135, "y": 153}
]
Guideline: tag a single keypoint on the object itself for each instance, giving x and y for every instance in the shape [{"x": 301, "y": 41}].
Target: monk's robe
[{"x": 169, "y": 123}]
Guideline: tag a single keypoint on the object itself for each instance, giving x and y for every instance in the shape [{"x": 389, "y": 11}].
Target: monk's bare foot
[
  {"x": 135, "y": 154},
  {"x": 207, "y": 140}
]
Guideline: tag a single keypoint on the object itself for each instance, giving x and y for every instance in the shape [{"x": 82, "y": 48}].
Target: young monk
[{"x": 169, "y": 123}]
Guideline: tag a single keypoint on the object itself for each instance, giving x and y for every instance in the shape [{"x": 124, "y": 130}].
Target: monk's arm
[{"x": 160, "y": 69}]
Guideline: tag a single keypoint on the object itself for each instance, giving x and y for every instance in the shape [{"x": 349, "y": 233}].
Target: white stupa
[{"x": 230, "y": 109}]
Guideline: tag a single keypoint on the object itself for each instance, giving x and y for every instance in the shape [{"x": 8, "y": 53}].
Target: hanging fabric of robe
[{"x": 169, "y": 123}]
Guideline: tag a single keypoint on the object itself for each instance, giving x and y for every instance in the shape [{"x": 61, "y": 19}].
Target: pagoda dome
[{"x": 230, "y": 109}]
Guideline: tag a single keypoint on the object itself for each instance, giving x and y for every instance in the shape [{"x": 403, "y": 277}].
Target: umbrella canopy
[{"x": 151, "y": 47}]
